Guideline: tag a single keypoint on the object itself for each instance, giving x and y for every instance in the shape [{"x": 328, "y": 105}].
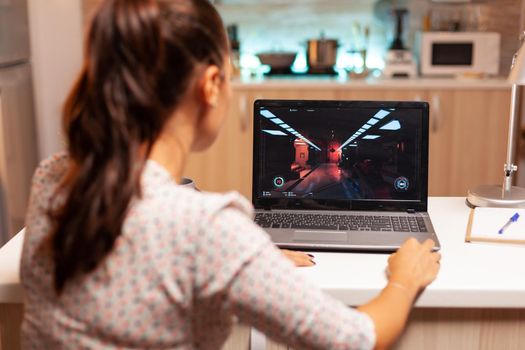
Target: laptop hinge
[{"x": 411, "y": 211}]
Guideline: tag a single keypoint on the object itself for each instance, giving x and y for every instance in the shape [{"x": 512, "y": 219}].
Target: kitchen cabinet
[
  {"x": 227, "y": 165},
  {"x": 467, "y": 127},
  {"x": 467, "y": 134},
  {"x": 468, "y": 140}
]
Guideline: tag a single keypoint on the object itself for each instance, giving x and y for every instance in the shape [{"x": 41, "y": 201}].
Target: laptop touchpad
[{"x": 320, "y": 236}]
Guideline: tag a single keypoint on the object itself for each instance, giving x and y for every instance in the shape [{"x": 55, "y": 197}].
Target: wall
[
  {"x": 284, "y": 25},
  {"x": 287, "y": 24},
  {"x": 56, "y": 49},
  {"x": 502, "y": 16},
  {"x": 274, "y": 25}
]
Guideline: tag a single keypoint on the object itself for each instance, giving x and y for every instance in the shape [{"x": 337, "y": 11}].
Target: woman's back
[
  {"x": 160, "y": 287},
  {"x": 117, "y": 255}
]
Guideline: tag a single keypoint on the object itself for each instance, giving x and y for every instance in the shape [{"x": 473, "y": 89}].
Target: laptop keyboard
[{"x": 341, "y": 222}]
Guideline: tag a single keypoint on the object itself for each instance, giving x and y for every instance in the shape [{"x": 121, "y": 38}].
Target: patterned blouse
[{"x": 186, "y": 266}]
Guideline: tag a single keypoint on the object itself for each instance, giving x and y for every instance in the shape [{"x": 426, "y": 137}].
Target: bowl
[{"x": 277, "y": 60}]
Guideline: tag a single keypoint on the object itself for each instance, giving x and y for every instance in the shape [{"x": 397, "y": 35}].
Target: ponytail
[{"x": 140, "y": 56}]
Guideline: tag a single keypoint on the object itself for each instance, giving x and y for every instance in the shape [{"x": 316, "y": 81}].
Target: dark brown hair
[{"x": 139, "y": 60}]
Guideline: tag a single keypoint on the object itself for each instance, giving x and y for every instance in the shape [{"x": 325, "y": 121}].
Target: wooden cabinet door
[
  {"x": 440, "y": 129},
  {"x": 227, "y": 164},
  {"x": 467, "y": 136},
  {"x": 242, "y": 110},
  {"x": 299, "y": 93},
  {"x": 224, "y": 165},
  {"x": 468, "y": 139},
  {"x": 383, "y": 94},
  {"x": 441, "y": 147}
]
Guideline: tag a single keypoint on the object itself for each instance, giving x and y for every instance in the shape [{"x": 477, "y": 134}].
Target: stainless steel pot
[{"x": 322, "y": 53}]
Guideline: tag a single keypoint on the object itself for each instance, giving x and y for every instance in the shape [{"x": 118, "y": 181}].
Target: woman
[{"x": 117, "y": 255}]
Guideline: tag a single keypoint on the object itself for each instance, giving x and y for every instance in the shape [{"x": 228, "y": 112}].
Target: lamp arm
[
  {"x": 510, "y": 168},
  {"x": 506, "y": 196}
]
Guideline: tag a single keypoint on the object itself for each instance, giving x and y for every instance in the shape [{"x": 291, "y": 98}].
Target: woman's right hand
[
  {"x": 414, "y": 265},
  {"x": 410, "y": 269}
]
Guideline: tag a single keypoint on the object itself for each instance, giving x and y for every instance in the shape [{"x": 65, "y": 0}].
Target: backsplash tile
[
  {"x": 287, "y": 27},
  {"x": 287, "y": 24},
  {"x": 502, "y": 16}
]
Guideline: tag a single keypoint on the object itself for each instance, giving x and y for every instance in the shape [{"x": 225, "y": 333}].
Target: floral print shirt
[{"x": 185, "y": 267}]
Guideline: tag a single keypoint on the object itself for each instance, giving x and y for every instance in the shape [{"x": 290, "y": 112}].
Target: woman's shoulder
[
  {"x": 163, "y": 194},
  {"x": 56, "y": 164},
  {"x": 49, "y": 173},
  {"x": 177, "y": 215},
  {"x": 200, "y": 204}
]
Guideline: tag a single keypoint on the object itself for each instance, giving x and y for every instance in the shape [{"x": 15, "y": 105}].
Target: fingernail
[
  {"x": 312, "y": 261},
  {"x": 310, "y": 255}
]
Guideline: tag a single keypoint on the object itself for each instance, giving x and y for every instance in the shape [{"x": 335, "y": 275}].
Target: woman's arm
[
  {"x": 411, "y": 269},
  {"x": 265, "y": 290},
  {"x": 276, "y": 299},
  {"x": 389, "y": 311},
  {"x": 270, "y": 294}
]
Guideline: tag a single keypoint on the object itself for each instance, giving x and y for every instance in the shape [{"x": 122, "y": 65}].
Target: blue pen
[{"x": 514, "y": 218}]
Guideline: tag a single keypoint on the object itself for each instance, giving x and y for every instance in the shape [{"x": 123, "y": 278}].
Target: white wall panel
[{"x": 56, "y": 48}]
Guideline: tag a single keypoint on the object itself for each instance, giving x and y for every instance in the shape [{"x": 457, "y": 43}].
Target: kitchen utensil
[
  {"x": 277, "y": 60},
  {"x": 322, "y": 52},
  {"x": 235, "y": 50},
  {"x": 398, "y": 44},
  {"x": 399, "y": 62}
]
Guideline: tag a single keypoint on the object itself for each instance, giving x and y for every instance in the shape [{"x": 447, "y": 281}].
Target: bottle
[{"x": 235, "y": 50}]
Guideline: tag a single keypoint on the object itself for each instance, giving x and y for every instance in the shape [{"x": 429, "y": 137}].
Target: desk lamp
[{"x": 506, "y": 196}]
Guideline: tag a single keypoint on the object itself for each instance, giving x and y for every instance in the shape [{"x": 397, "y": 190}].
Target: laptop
[{"x": 341, "y": 175}]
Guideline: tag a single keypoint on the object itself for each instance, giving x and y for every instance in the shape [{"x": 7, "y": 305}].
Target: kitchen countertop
[
  {"x": 338, "y": 82},
  {"x": 473, "y": 275}
]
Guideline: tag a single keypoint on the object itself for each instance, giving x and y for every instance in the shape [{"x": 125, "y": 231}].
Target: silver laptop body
[{"x": 341, "y": 175}]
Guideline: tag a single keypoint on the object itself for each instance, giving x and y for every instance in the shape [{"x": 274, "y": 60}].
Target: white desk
[
  {"x": 11, "y": 297},
  {"x": 472, "y": 275},
  {"x": 10, "y": 288},
  {"x": 479, "y": 286}
]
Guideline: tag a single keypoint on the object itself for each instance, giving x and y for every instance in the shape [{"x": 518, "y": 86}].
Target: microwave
[{"x": 452, "y": 53}]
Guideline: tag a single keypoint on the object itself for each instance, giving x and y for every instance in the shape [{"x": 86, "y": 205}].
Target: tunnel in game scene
[{"x": 342, "y": 154}]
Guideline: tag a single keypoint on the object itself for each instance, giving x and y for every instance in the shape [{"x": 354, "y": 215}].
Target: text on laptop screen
[{"x": 331, "y": 153}]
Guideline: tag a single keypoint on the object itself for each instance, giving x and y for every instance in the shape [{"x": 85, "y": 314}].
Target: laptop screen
[{"x": 340, "y": 152}]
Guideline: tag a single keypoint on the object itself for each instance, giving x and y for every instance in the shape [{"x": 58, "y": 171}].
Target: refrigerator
[{"x": 18, "y": 143}]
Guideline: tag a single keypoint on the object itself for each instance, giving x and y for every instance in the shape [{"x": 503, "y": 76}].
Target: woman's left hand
[{"x": 299, "y": 258}]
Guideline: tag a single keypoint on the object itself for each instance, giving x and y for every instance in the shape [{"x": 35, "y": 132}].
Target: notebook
[
  {"x": 485, "y": 224},
  {"x": 341, "y": 175}
]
